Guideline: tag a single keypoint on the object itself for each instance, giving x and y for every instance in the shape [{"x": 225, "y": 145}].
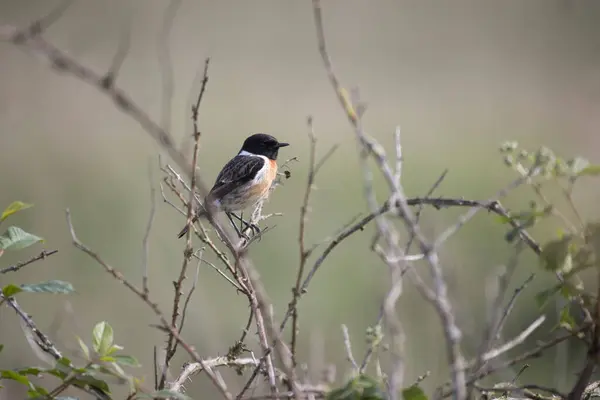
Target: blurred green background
[{"x": 459, "y": 77}]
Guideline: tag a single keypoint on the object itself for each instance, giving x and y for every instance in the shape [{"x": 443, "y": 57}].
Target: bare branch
[
  {"x": 463, "y": 219},
  {"x": 145, "y": 241},
  {"x": 494, "y": 353},
  {"x": 42, "y": 341},
  {"x": 193, "y": 368},
  {"x": 348, "y": 347},
  {"x": 511, "y": 303},
  {"x": 396, "y": 377},
  {"x": 178, "y": 285},
  {"x": 189, "y": 296},
  {"x": 18, "y": 266},
  {"x": 111, "y": 75}
]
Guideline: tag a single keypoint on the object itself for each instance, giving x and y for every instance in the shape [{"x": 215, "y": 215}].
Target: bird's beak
[{"x": 282, "y": 144}]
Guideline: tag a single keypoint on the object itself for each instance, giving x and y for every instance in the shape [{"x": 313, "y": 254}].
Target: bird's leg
[
  {"x": 239, "y": 233},
  {"x": 241, "y": 220},
  {"x": 255, "y": 229}
]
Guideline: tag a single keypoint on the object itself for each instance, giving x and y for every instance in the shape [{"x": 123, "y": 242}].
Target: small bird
[{"x": 245, "y": 179}]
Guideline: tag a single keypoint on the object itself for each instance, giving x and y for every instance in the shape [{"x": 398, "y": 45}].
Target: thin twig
[
  {"x": 194, "y": 368},
  {"x": 247, "y": 328},
  {"x": 178, "y": 285},
  {"x": 41, "y": 339},
  {"x": 18, "y": 266},
  {"x": 221, "y": 273},
  {"x": 302, "y": 234},
  {"x": 511, "y": 303},
  {"x": 520, "y": 338},
  {"x": 111, "y": 75},
  {"x": 348, "y": 347},
  {"x": 463, "y": 219},
  {"x": 145, "y": 241},
  {"x": 189, "y": 296}
]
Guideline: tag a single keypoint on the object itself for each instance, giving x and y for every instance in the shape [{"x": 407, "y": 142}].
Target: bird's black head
[{"x": 263, "y": 145}]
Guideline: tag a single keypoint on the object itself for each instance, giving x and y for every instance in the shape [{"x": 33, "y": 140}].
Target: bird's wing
[{"x": 238, "y": 171}]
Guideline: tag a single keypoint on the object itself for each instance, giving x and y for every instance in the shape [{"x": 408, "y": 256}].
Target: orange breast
[
  {"x": 262, "y": 188},
  {"x": 272, "y": 170}
]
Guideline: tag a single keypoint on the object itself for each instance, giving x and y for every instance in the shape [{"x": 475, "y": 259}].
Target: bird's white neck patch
[{"x": 247, "y": 153}]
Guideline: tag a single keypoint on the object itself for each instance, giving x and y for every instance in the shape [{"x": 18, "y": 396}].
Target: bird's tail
[{"x": 185, "y": 229}]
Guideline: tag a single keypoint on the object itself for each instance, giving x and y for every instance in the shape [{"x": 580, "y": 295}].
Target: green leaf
[
  {"x": 84, "y": 348},
  {"x": 1, "y": 348},
  {"x": 119, "y": 371},
  {"x": 53, "y": 286},
  {"x": 555, "y": 254},
  {"x": 64, "y": 361},
  {"x": 590, "y": 170},
  {"x": 566, "y": 319},
  {"x": 16, "y": 238},
  {"x": 129, "y": 361},
  {"x": 11, "y": 290},
  {"x": 85, "y": 380},
  {"x": 169, "y": 394},
  {"x": 114, "y": 348},
  {"x": 413, "y": 392},
  {"x": 102, "y": 338},
  {"x": 37, "y": 391},
  {"x": 14, "y": 376},
  {"x": 30, "y": 371},
  {"x": 14, "y": 207}
]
